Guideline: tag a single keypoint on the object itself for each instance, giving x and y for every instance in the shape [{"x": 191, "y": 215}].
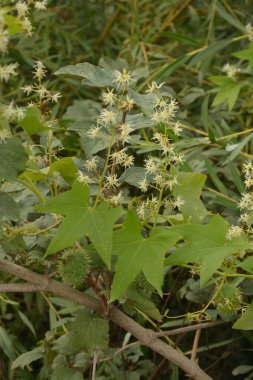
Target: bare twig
[
  {"x": 146, "y": 337},
  {"x": 130, "y": 345},
  {"x": 94, "y": 365},
  {"x": 182, "y": 330},
  {"x": 195, "y": 345}
]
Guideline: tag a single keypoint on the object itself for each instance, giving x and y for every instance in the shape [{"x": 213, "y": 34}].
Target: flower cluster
[
  {"x": 245, "y": 204},
  {"x": 20, "y": 10},
  {"x": 249, "y": 31},
  {"x": 18, "y": 13},
  {"x": 115, "y": 127},
  {"x": 231, "y": 70},
  {"x": 38, "y": 87}
]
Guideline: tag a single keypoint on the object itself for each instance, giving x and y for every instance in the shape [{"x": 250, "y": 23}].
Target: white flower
[
  {"x": 170, "y": 183},
  {"x": 111, "y": 181},
  {"x": 125, "y": 130},
  {"x": 159, "y": 179},
  {"x": 164, "y": 111},
  {"x": 82, "y": 177},
  {"x": 245, "y": 218},
  {"x": 233, "y": 232},
  {"x": 178, "y": 202},
  {"x": 141, "y": 210},
  {"x": 116, "y": 199},
  {"x": 4, "y": 134},
  {"x": 151, "y": 165},
  {"x": 7, "y": 71},
  {"x": 91, "y": 164},
  {"x": 249, "y": 30},
  {"x": 143, "y": 185},
  {"x": 107, "y": 117},
  {"x": 129, "y": 161},
  {"x": 154, "y": 86},
  {"x": 230, "y": 70},
  {"x": 20, "y": 114},
  {"x": 127, "y": 104},
  {"x": 164, "y": 143},
  {"x": 42, "y": 92},
  {"x": 247, "y": 168},
  {"x": 249, "y": 181},
  {"x": 21, "y": 8},
  {"x": 4, "y": 40},
  {"x": 246, "y": 201},
  {"x": 177, "y": 129},
  {"x": 122, "y": 79},
  {"x": 40, "y": 5},
  {"x": 122, "y": 158},
  {"x": 55, "y": 97},
  {"x": 93, "y": 133},
  {"x": 26, "y": 25},
  {"x": 10, "y": 112},
  {"x": 177, "y": 158},
  {"x": 39, "y": 70},
  {"x": 108, "y": 97},
  {"x": 28, "y": 89}
]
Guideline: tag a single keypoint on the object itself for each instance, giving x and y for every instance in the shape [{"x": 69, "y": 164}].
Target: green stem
[
  {"x": 30, "y": 185},
  {"x": 101, "y": 180}
]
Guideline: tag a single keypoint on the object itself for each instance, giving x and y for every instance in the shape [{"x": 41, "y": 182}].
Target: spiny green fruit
[
  {"x": 143, "y": 284},
  {"x": 73, "y": 267},
  {"x": 229, "y": 299}
]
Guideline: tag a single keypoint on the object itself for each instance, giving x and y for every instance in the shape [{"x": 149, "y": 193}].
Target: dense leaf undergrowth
[{"x": 126, "y": 174}]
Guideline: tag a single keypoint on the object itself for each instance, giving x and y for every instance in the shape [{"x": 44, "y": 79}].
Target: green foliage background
[{"x": 186, "y": 45}]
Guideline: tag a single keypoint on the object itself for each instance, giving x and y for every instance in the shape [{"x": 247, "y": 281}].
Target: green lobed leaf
[
  {"x": 189, "y": 188},
  {"x": 66, "y": 167},
  {"x": 81, "y": 220},
  {"x": 94, "y": 74},
  {"x": 14, "y": 24},
  {"x": 245, "y": 322},
  {"x": 86, "y": 333},
  {"x": 136, "y": 253},
  {"x": 12, "y": 157},
  {"x": 134, "y": 175},
  {"x": 227, "y": 92},
  {"x": 9, "y": 209},
  {"x": 32, "y": 122},
  {"x": 246, "y": 54},
  {"x": 206, "y": 243},
  {"x": 140, "y": 300}
]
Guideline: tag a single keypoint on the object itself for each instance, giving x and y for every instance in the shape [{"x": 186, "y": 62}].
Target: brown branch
[
  {"x": 182, "y": 330},
  {"x": 146, "y": 337}
]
